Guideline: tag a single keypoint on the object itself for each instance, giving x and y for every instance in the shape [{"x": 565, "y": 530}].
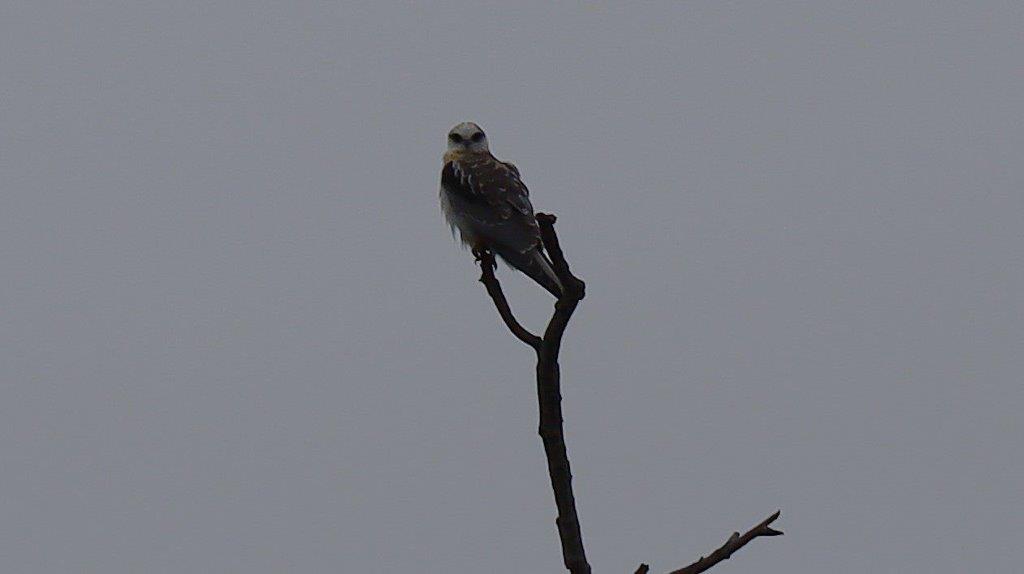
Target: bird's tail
[{"x": 536, "y": 266}]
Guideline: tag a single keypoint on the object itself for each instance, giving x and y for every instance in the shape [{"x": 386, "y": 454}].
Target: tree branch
[
  {"x": 549, "y": 394},
  {"x": 547, "y": 234},
  {"x": 487, "y": 277},
  {"x": 734, "y": 543},
  {"x": 549, "y": 399}
]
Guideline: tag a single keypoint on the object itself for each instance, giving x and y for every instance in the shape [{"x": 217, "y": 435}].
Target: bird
[{"x": 486, "y": 200}]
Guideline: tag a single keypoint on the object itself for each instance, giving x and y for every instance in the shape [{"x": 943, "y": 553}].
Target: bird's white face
[{"x": 467, "y": 136}]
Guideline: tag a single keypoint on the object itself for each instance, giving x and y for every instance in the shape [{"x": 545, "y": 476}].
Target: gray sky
[{"x": 237, "y": 336}]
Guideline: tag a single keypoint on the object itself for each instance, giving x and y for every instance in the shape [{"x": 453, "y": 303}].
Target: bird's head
[{"x": 467, "y": 136}]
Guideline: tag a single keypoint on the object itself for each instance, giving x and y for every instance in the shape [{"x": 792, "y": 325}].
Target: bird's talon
[{"x": 479, "y": 253}]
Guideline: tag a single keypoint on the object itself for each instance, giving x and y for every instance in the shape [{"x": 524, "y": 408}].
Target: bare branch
[
  {"x": 549, "y": 394},
  {"x": 549, "y": 398},
  {"x": 501, "y": 303},
  {"x": 734, "y": 543},
  {"x": 576, "y": 288}
]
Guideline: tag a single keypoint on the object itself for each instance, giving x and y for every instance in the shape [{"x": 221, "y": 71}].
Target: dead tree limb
[
  {"x": 549, "y": 398},
  {"x": 487, "y": 277},
  {"x": 734, "y": 543},
  {"x": 549, "y": 395}
]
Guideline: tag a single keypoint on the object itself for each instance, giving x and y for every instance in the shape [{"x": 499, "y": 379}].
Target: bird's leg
[{"x": 480, "y": 251}]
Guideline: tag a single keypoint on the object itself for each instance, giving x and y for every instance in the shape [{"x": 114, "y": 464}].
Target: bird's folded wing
[{"x": 491, "y": 182}]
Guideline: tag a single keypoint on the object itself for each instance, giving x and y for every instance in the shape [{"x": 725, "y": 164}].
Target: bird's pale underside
[{"x": 486, "y": 201}]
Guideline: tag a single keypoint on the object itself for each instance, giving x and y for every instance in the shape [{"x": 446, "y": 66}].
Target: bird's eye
[
  {"x": 478, "y": 136},
  {"x": 455, "y": 137}
]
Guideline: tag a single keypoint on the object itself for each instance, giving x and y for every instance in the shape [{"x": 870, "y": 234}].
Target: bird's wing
[
  {"x": 519, "y": 197},
  {"x": 488, "y": 182},
  {"x": 492, "y": 195}
]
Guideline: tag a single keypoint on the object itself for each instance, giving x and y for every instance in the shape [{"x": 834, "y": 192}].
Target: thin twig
[
  {"x": 734, "y": 543},
  {"x": 501, "y": 303}
]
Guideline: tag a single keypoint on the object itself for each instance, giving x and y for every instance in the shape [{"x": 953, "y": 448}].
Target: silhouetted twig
[
  {"x": 494, "y": 290},
  {"x": 734, "y": 543}
]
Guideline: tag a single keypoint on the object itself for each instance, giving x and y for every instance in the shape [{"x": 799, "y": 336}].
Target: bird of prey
[{"x": 485, "y": 199}]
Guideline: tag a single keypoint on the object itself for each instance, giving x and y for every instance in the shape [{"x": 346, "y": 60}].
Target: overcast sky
[{"x": 236, "y": 335}]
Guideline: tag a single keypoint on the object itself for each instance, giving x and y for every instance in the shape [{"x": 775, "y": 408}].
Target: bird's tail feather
[
  {"x": 534, "y": 263},
  {"x": 551, "y": 282}
]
